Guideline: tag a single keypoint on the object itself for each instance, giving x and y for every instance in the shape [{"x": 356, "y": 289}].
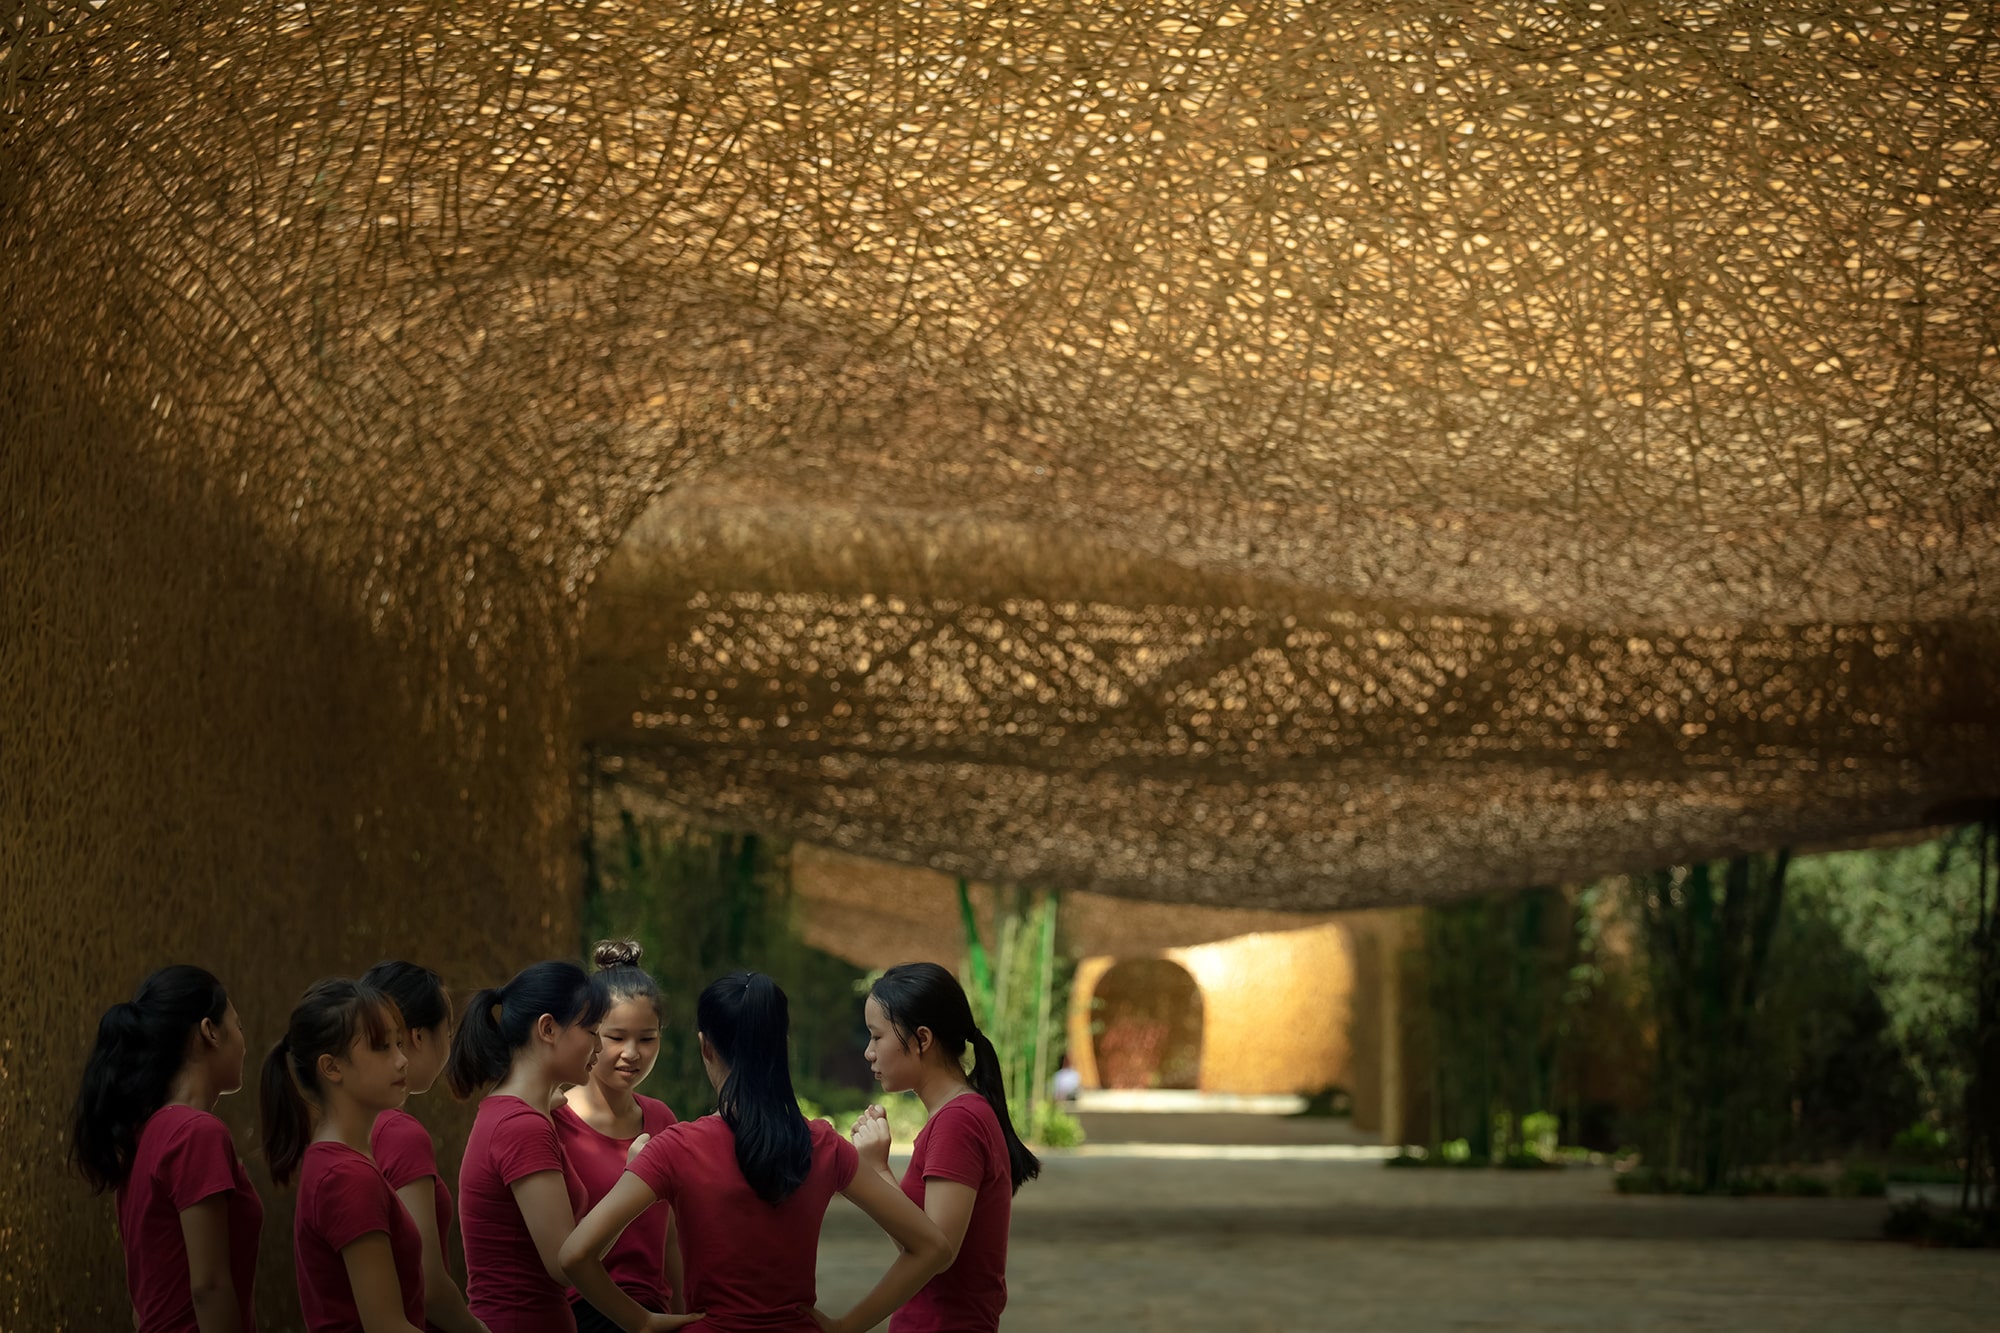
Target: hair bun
[{"x": 617, "y": 953}]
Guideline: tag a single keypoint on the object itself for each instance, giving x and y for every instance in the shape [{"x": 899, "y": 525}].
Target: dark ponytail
[
  {"x": 748, "y": 1023},
  {"x": 924, "y": 995},
  {"x": 328, "y": 1020},
  {"x": 141, "y": 1045},
  {"x": 419, "y": 993},
  {"x": 499, "y": 1020},
  {"x": 619, "y": 977}
]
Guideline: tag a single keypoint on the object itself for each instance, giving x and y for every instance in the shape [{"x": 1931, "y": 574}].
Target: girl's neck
[
  {"x": 193, "y": 1086},
  {"x": 531, "y": 1081},
  {"x": 344, "y": 1120},
  {"x": 938, "y": 1084},
  {"x": 599, "y": 1105}
]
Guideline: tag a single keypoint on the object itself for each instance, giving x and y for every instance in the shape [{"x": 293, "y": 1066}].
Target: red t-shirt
[
  {"x": 963, "y": 1143},
  {"x": 506, "y": 1284},
  {"x": 342, "y": 1197},
  {"x": 405, "y": 1154},
  {"x": 750, "y": 1264},
  {"x": 183, "y": 1157},
  {"x": 637, "y": 1259}
]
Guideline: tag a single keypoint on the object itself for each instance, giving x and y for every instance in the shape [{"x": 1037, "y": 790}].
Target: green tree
[
  {"x": 1911, "y": 914},
  {"x": 1927, "y": 921},
  {"x": 1707, "y": 931},
  {"x": 1501, "y": 979}
]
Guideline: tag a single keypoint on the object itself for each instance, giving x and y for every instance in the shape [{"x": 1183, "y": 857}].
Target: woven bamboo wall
[{"x": 209, "y": 756}]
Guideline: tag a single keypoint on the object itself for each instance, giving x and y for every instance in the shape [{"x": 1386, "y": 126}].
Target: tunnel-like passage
[
  {"x": 1303, "y": 457},
  {"x": 1149, "y": 1020}
]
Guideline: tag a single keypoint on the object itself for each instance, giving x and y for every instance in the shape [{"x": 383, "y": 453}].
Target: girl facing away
[
  {"x": 749, "y": 1186},
  {"x": 517, "y": 1199},
  {"x": 967, "y": 1161},
  {"x": 339, "y": 1065},
  {"x": 602, "y": 1120},
  {"x": 404, "y": 1150},
  {"x": 144, "y": 1125}
]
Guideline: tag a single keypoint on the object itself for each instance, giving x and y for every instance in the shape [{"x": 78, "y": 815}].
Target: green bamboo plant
[{"x": 1018, "y": 993}]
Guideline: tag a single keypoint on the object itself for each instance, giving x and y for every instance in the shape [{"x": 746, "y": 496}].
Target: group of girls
[{"x": 581, "y": 1205}]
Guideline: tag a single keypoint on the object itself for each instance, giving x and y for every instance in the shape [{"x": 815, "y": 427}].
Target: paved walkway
[
  {"x": 1116, "y": 1127},
  {"x": 1105, "y": 1243}
]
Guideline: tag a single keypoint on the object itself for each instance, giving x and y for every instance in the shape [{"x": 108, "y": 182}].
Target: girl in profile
[
  {"x": 340, "y": 1065},
  {"x": 517, "y": 1199},
  {"x": 967, "y": 1161},
  {"x": 144, "y": 1125},
  {"x": 749, "y": 1186},
  {"x": 602, "y": 1119},
  {"x": 402, "y": 1146}
]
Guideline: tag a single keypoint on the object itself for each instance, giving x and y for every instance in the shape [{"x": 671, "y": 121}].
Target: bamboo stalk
[{"x": 1044, "y": 999}]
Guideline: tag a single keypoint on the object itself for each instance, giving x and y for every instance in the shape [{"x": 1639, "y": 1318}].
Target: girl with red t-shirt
[
  {"x": 339, "y": 1065},
  {"x": 967, "y": 1161},
  {"x": 601, "y": 1120},
  {"x": 403, "y": 1148},
  {"x": 145, "y": 1126},
  {"x": 750, "y": 1185},
  {"x": 517, "y": 1198}
]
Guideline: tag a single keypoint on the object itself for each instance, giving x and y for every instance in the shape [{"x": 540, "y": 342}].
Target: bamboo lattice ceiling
[{"x": 1292, "y": 453}]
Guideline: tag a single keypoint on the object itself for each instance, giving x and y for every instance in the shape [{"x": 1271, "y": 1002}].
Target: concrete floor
[{"x": 1117, "y": 1243}]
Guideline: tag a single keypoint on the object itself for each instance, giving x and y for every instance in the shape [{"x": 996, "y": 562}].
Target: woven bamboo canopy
[{"x": 1284, "y": 454}]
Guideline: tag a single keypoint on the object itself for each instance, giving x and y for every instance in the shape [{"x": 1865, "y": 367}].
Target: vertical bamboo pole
[
  {"x": 1044, "y": 1000},
  {"x": 1006, "y": 1031},
  {"x": 975, "y": 952}
]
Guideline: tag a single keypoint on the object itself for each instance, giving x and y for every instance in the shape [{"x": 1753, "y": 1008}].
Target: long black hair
[
  {"x": 327, "y": 1020},
  {"x": 419, "y": 993},
  {"x": 141, "y": 1044},
  {"x": 499, "y": 1020},
  {"x": 619, "y": 977},
  {"x": 924, "y": 995},
  {"x": 748, "y": 1023}
]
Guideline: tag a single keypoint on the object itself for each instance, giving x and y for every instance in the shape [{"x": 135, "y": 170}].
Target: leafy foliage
[
  {"x": 1908, "y": 913},
  {"x": 1019, "y": 990},
  {"x": 1501, "y": 982}
]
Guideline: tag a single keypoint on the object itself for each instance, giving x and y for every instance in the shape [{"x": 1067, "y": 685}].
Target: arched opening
[{"x": 1149, "y": 1033}]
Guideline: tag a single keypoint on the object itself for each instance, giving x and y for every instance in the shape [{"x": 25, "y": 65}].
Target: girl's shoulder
[
  {"x": 656, "y": 1114},
  {"x": 177, "y": 1128},
  {"x": 967, "y": 1123},
  {"x": 503, "y": 1117},
  {"x": 688, "y": 1141},
  {"x": 399, "y": 1127},
  {"x": 968, "y": 1110},
  {"x": 702, "y": 1127},
  {"x": 831, "y": 1146},
  {"x": 506, "y": 1106},
  {"x": 178, "y": 1120},
  {"x": 708, "y": 1134},
  {"x": 327, "y": 1164}
]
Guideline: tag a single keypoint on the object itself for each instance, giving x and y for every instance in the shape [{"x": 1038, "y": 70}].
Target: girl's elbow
[
  {"x": 938, "y": 1252},
  {"x": 571, "y": 1257}
]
